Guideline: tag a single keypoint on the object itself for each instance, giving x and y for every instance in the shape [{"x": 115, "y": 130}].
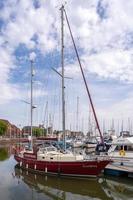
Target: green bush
[{"x": 38, "y": 131}]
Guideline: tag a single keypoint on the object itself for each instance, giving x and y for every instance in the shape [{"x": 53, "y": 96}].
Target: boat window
[
  {"x": 125, "y": 148},
  {"x": 42, "y": 150},
  {"x": 43, "y": 157},
  {"x": 50, "y": 149},
  {"x": 118, "y": 148},
  {"x": 51, "y": 158},
  {"x": 130, "y": 148}
]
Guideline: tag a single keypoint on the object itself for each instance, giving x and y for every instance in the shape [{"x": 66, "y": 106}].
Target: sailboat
[{"x": 47, "y": 160}]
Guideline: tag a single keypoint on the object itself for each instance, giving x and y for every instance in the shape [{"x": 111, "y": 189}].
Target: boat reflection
[
  {"x": 62, "y": 188},
  {"x": 67, "y": 188}
]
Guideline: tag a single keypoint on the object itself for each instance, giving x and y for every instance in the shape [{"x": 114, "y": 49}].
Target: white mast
[
  {"x": 89, "y": 121},
  {"x": 31, "y": 103},
  {"x": 32, "y": 57},
  {"x": 63, "y": 84},
  {"x": 47, "y": 121},
  {"x": 129, "y": 127}
]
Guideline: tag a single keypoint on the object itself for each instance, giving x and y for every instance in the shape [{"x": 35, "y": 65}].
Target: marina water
[{"x": 19, "y": 184}]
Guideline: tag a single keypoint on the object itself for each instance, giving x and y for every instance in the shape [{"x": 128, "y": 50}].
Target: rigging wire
[{"x": 88, "y": 92}]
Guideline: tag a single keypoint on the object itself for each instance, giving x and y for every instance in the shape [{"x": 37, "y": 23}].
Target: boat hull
[
  {"x": 83, "y": 168},
  {"x": 113, "y": 172},
  {"x": 116, "y": 169}
]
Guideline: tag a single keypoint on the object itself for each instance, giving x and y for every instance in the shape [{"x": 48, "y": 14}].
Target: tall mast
[
  {"x": 31, "y": 103},
  {"x": 47, "y": 121},
  {"x": 63, "y": 84}
]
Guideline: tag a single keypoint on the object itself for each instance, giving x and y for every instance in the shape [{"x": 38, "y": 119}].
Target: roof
[
  {"x": 123, "y": 140},
  {"x": 4, "y": 120}
]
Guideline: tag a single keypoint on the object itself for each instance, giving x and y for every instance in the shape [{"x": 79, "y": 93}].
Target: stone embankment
[{"x": 12, "y": 140}]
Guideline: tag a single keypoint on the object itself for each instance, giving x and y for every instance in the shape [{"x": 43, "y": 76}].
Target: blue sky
[{"x": 103, "y": 33}]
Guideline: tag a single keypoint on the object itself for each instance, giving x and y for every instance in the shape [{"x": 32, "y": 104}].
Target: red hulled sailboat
[{"x": 50, "y": 160}]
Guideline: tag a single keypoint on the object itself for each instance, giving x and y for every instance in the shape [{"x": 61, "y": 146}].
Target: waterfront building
[{"x": 12, "y": 130}]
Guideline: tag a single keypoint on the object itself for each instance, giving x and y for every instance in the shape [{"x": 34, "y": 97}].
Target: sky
[{"x": 103, "y": 32}]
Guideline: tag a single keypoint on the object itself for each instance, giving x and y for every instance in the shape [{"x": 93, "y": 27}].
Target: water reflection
[
  {"x": 66, "y": 188},
  {"x": 118, "y": 188},
  {"x": 17, "y": 184},
  {"x": 62, "y": 188}
]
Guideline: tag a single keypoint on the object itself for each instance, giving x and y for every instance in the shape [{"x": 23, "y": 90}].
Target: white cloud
[
  {"x": 106, "y": 43},
  {"x": 32, "y": 56},
  {"x": 7, "y": 91},
  {"x": 111, "y": 64},
  {"x": 93, "y": 34}
]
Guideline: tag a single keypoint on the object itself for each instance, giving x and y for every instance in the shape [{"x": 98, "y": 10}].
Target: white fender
[
  {"x": 35, "y": 166},
  {"x": 26, "y": 166},
  {"x": 46, "y": 170}
]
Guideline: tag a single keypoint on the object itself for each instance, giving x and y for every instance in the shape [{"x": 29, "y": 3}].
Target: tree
[
  {"x": 38, "y": 131},
  {"x": 3, "y": 127},
  {"x": 44, "y": 131}
]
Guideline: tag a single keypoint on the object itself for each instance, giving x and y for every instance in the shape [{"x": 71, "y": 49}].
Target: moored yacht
[
  {"x": 121, "y": 153},
  {"x": 49, "y": 159}
]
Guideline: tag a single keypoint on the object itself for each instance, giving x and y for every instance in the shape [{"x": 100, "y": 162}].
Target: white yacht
[{"x": 121, "y": 152}]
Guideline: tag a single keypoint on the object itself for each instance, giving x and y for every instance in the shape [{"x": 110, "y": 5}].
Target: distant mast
[
  {"x": 77, "y": 116},
  {"x": 46, "y": 117},
  {"x": 129, "y": 126},
  {"x": 89, "y": 122},
  {"x": 103, "y": 126},
  {"x": 112, "y": 126}
]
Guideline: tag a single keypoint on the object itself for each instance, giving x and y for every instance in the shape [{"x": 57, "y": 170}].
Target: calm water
[{"x": 17, "y": 184}]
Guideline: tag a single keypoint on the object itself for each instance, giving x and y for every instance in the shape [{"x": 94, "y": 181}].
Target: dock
[{"x": 119, "y": 170}]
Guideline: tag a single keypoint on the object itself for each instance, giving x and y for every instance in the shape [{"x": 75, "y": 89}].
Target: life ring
[{"x": 122, "y": 152}]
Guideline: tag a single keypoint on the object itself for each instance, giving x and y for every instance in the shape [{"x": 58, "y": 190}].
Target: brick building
[
  {"x": 12, "y": 130},
  {"x": 69, "y": 134}
]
